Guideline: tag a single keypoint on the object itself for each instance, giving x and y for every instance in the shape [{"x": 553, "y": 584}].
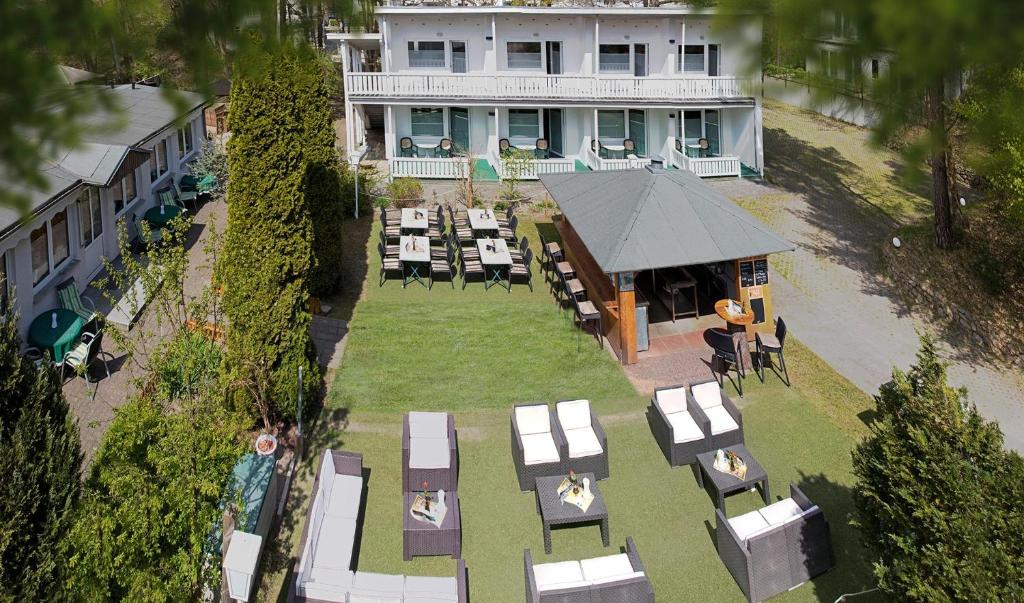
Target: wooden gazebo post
[{"x": 626, "y": 300}]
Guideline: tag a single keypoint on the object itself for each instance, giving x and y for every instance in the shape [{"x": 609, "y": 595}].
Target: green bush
[
  {"x": 268, "y": 255},
  {"x": 405, "y": 192},
  {"x": 187, "y": 365}
]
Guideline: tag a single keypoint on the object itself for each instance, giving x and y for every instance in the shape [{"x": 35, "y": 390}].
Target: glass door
[
  {"x": 458, "y": 126},
  {"x": 554, "y": 52},
  {"x": 553, "y": 129},
  {"x": 458, "y": 57},
  {"x": 638, "y": 131},
  {"x": 640, "y": 60},
  {"x": 713, "y": 55},
  {"x": 711, "y": 132}
]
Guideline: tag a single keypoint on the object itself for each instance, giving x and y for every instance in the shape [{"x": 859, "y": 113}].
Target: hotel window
[
  {"x": 5, "y": 285},
  {"x": 123, "y": 192},
  {"x": 524, "y": 55},
  {"x": 90, "y": 218},
  {"x": 426, "y": 55},
  {"x": 185, "y": 140},
  {"x": 158, "y": 160},
  {"x": 614, "y": 58},
  {"x": 691, "y": 57},
  {"x": 701, "y": 124},
  {"x": 49, "y": 245},
  {"x": 428, "y": 122},
  {"x": 611, "y": 126},
  {"x": 524, "y": 125},
  {"x": 692, "y": 127}
]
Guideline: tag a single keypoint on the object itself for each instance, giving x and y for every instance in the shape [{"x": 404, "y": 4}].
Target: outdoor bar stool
[
  {"x": 565, "y": 271},
  {"x": 551, "y": 254},
  {"x": 771, "y": 344},
  {"x": 587, "y": 313}
]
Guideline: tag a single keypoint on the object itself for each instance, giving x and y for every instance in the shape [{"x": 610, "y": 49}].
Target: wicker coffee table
[
  {"x": 719, "y": 484},
  {"x": 553, "y": 512},
  {"x": 421, "y": 538}
]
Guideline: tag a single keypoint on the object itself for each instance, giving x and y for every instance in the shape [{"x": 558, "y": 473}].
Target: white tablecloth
[
  {"x": 415, "y": 218},
  {"x": 406, "y": 252},
  {"x": 498, "y": 256},
  {"x": 482, "y": 219}
]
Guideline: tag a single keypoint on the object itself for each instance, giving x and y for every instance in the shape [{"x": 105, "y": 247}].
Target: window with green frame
[
  {"x": 427, "y": 121},
  {"x": 524, "y": 124},
  {"x": 611, "y": 125}
]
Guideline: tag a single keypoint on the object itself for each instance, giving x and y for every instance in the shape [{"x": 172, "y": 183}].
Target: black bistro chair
[
  {"x": 724, "y": 347},
  {"x": 771, "y": 344}
]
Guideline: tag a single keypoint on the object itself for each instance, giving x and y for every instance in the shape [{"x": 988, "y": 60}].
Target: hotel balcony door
[
  {"x": 458, "y": 128},
  {"x": 554, "y": 53},
  {"x": 640, "y": 60},
  {"x": 638, "y": 130},
  {"x": 458, "y": 57},
  {"x": 553, "y": 130}
]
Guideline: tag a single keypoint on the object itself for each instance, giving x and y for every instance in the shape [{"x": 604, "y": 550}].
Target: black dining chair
[
  {"x": 765, "y": 345},
  {"x": 725, "y": 351}
]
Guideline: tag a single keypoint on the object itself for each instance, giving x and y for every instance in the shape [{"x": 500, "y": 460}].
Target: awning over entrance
[{"x": 652, "y": 218}]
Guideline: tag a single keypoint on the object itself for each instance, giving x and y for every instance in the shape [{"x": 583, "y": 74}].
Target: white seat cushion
[
  {"x": 334, "y": 547},
  {"x": 533, "y": 419},
  {"x": 369, "y": 587},
  {"x": 429, "y": 453},
  {"x": 574, "y": 414},
  {"x": 564, "y": 574},
  {"x": 430, "y": 588},
  {"x": 720, "y": 419},
  {"x": 748, "y": 524},
  {"x": 684, "y": 428},
  {"x": 610, "y": 566},
  {"x": 671, "y": 400},
  {"x": 582, "y": 442},
  {"x": 346, "y": 494},
  {"x": 708, "y": 395},
  {"x": 539, "y": 448},
  {"x": 781, "y": 511},
  {"x": 428, "y": 425}
]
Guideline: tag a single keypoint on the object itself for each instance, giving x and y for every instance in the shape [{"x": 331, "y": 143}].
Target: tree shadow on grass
[{"x": 354, "y": 267}]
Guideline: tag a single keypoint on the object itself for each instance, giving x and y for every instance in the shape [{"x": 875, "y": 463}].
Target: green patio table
[
  {"x": 58, "y": 341},
  {"x": 161, "y": 220},
  {"x": 202, "y": 184}
]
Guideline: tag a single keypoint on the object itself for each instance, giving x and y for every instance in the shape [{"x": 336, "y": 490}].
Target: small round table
[
  {"x": 737, "y": 325},
  {"x": 58, "y": 341},
  {"x": 161, "y": 220}
]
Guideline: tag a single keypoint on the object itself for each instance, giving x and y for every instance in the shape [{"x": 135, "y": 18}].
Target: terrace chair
[
  {"x": 442, "y": 267},
  {"x": 503, "y": 221},
  {"x": 574, "y": 291},
  {"x": 429, "y": 452},
  {"x": 69, "y": 298},
  {"x": 407, "y": 148},
  {"x": 391, "y": 217},
  {"x": 517, "y": 251},
  {"x": 509, "y": 232},
  {"x": 679, "y": 145},
  {"x": 587, "y": 313},
  {"x": 470, "y": 267},
  {"x": 523, "y": 270},
  {"x": 765, "y": 345},
  {"x": 550, "y": 253},
  {"x": 599, "y": 150},
  {"x": 155, "y": 234},
  {"x": 564, "y": 271},
  {"x": 392, "y": 232},
  {"x": 710, "y": 407},
  {"x": 388, "y": 264},
  {"x": 504, "y": 147},
  {"x": 88, "y": 349},
  {"x": 584, "y": 443},
  {"x": 705, "y": 147},
  {"x": 724, "y": 347},
  {"x": 629, "y": 148},
  {"x": 391, "y": 250},
  {"x": 457, "y": 220},
  {"x": 470, "y": 253},
  {"x": 168, "y": 198},
  {"x": 444, "y": 148},
  {"x": 676, "y": 428},
  {"x": 536, "y": 444},
  {"x": 435, "y": 231},
  {"x": 186, "y": 197},
  {"x": 436, "y": 218},
  {"x": 542, "y": 150}
]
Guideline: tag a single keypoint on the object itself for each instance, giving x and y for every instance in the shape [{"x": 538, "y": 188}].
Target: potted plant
[{"x": 258, "y": 385}]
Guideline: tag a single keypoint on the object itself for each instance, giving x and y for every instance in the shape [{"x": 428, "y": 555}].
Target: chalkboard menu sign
[
  {"x": 761, "y": 272},
  {"x": 747, "y": 274}
]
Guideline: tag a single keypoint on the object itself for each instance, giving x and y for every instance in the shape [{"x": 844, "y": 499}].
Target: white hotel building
[{"x": 662, "y": 77}]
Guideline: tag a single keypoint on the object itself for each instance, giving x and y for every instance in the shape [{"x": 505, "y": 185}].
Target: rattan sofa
[
  {"x": 776, "y": 548},
  {"x": 584, "y": 443},
  {"x": 712, "y": 407},
  {"x": 617, "y": 578},
  {"x": 429, "y": 440},
  {"x": 323, "y": 571},
  {"x": 531, "y": 464},
  {"x": 680, "y": 432}
]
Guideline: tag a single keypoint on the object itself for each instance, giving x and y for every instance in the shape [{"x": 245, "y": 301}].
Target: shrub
[
  {"x": 405, "y": 192},
  {"x": 212, "y": 160},
  {"x": 515, "y": 165}
]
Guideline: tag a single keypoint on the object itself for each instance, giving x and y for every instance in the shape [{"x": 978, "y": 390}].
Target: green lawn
[{"x": 477, "y": 353}]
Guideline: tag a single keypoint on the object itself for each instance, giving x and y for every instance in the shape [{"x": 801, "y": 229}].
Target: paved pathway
[{"x": 833, "y": 300}]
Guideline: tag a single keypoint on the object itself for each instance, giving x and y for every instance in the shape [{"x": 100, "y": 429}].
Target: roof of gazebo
[{"x": 632, "y": 220}]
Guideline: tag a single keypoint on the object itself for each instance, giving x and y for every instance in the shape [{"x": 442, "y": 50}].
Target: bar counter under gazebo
[{"x": 636, "y": 234}]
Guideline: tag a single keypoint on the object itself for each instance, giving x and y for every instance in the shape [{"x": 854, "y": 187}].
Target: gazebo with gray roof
[{"x": 617, "y": 223}]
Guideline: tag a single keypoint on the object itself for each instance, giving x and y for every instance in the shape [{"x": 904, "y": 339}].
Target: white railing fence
[
  {"x": 428, "y": 167},
  {"x": 547, "y": 87},
  {"x": 706, "y": 167},
  {"x": 535, "y": 168}
]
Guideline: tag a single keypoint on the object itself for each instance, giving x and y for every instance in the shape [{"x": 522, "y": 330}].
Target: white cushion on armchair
[
  {"x": 563, "y": 574},
  {"x": 539, "y": 448},
  {"x": 671, "y": 400},
  {"x": 582, "y": 442},
  {"x": 708, "y": 395},
  {"x": 533, "y": 419},
  {"x": 574, "y": 414},
  {"x": 720, "y": 419},
  {"x": 684, "y": 428}
]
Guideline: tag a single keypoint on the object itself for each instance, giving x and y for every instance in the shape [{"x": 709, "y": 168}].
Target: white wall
[{"x": 833, "y": 104}]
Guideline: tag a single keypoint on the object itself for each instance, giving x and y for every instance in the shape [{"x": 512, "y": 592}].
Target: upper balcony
[{"x": 380, "y": 87}]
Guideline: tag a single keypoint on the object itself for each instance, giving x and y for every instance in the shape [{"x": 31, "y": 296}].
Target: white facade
[
  {"x": 70, "y": 233},
  {"x": 482, "y": 75}
]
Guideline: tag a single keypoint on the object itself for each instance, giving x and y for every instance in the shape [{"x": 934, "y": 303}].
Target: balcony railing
[
  {"x": 542, "y": 87},
  {"x": 706, "y": 167}
]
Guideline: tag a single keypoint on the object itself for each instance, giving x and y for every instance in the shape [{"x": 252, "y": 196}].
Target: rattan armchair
[
  {"x": 548, "y": 461},
  {"x": 676, "y": 428},
  {"x": 720, "y": 414},
  {"x": 584, "y": 443}
]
